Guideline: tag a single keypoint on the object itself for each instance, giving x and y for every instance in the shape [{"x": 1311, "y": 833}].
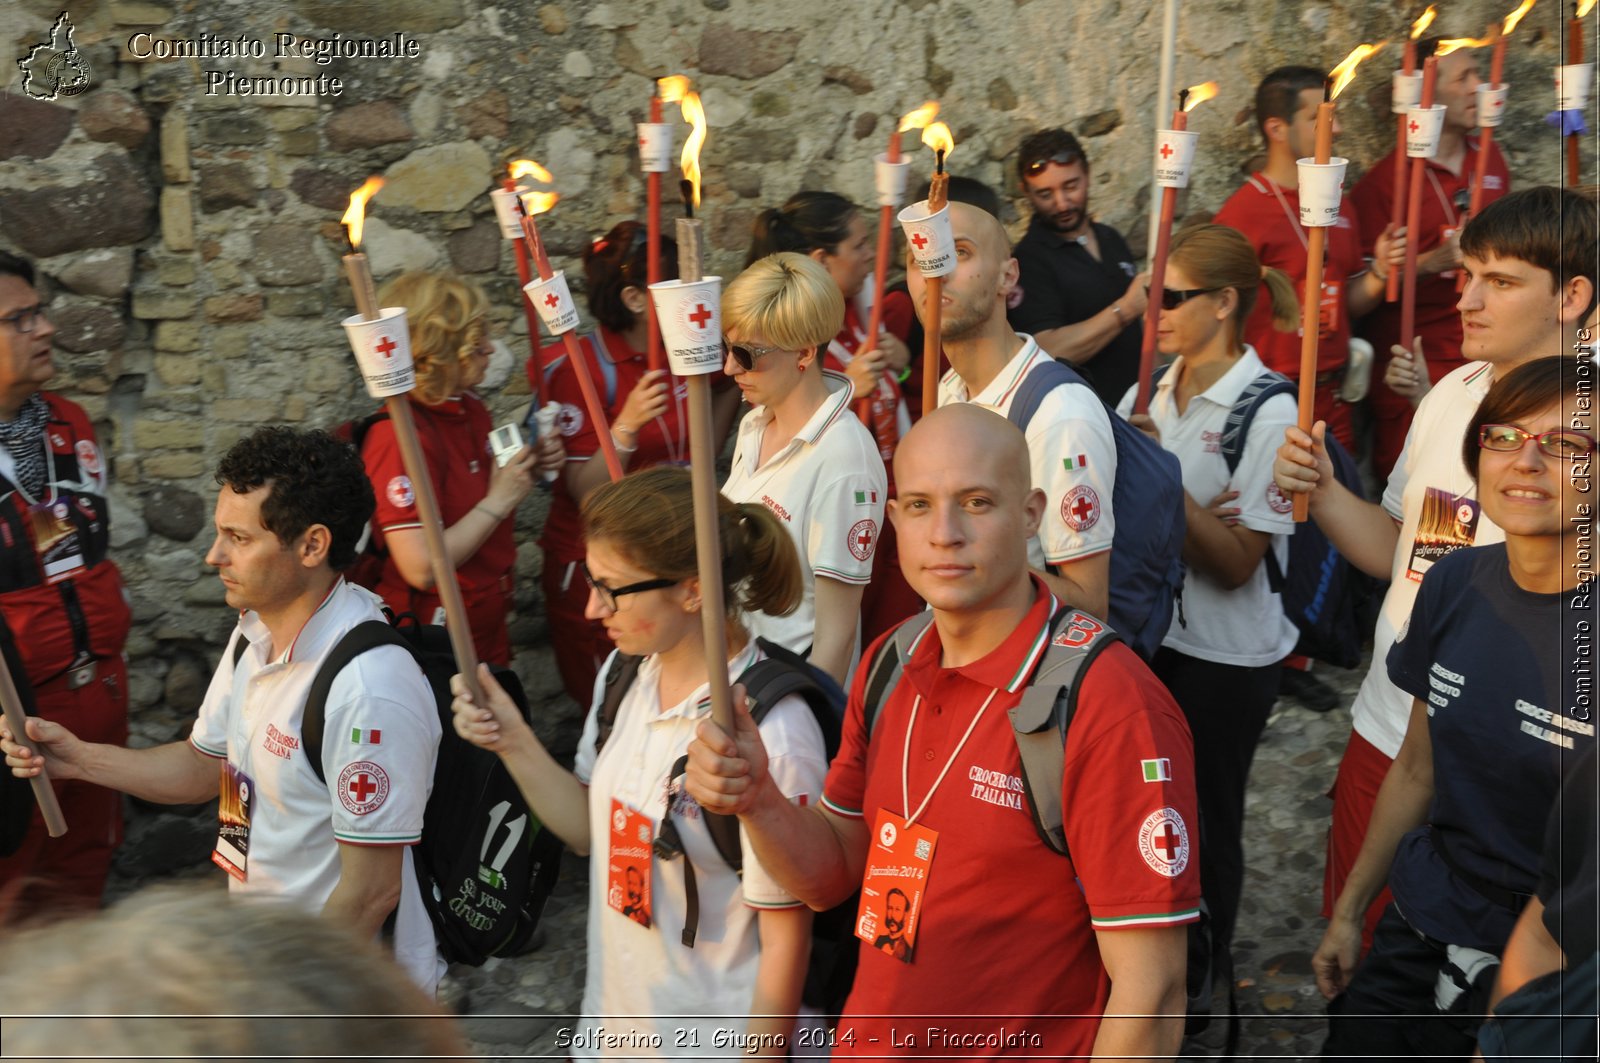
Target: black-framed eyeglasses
[
  {"x": 25, "y": 319},
  {"x": 1172, "y": 298},
  {"x": 1035, "y": 167},
  {"x": 609, "y": 595},
  {"x": 1558, "y": 442},
  {"x": 745, "y": 354}
]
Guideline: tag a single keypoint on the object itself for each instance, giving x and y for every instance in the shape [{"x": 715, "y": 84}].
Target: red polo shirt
[
  {"x": 883, "y": 407},
  {"x": 1444, "y": 206},
  {"x": 1269, "y": 217},
  {"x": 1007, "y": 926}
]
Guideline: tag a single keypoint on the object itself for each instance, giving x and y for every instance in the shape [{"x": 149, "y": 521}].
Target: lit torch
[
  {"x": 505, "y": 207},
  {"x": 1174, "y": 157},
  {"x": 1407, "y": 94},
  {"x": 1318, "y": 221},
  {"x": 936, "y": 136},
  {"x": 1491, "y": 109},
  {"x": 382, "y": 346},
  {"x": 1580, "y": 9},
  {"x": 655, "y": 142}
]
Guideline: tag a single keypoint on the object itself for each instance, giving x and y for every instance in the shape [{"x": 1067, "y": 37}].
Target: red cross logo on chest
[
  {"x": 1166, "y": 151},
  {"x": 386, "y": 348},
  {"x": 700, "y": 316}
]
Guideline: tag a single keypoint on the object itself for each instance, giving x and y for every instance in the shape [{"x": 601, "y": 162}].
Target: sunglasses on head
[
  {"x": 744, "y": 354},
  {"x": 1172, "y": 298},
  {"x": 1037, "y": 166}
]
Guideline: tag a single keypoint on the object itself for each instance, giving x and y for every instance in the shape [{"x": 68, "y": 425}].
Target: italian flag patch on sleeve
[
  {"x": 373, "y": 737},
  {"x": 1157, "y": 770}
]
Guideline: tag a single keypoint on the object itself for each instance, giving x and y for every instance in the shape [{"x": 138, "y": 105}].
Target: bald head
[
  {"x": 975, "y": 444},
  {"x": 982, "y": 228}
]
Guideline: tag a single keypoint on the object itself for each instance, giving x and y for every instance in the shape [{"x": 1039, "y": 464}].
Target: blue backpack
[
  {"x": 1325, "y": 596},
  {"x": 1147, "y": 505}
]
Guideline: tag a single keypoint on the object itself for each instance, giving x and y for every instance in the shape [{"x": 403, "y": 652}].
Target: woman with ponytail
[
  {"x": 750, "y": 953},
  {"x": 1229, "y": 634}
]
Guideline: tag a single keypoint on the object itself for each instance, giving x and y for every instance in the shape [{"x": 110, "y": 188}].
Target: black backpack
[
  {"x": 1326, "y": 597},
  {"x": 485, "y": 865},
  {"x": 1147, "y": 504},
  {"x": 766, "y": 682},
  {"x": 1039, "y": 723},
  {"x": 1551, "y": 1017}
]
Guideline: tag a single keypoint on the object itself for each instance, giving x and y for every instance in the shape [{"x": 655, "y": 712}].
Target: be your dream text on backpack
[
  {"x": 484, "y": 864},
  {"x": 1324, "y": 595},
  {"x": 1039, "y": 724},
  {"x": 1147, "y": 505},
  {"x": 766, "y": 682}
]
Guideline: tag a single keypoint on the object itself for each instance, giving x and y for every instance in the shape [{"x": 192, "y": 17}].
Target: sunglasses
[
  {"x": 1036, "y": 167},
  {"x": 609, "y": 595},
  {"x": 745, "y": 355},
  {"x": 1172, "y": 298},
  {"x": 1558, "y": 442}
]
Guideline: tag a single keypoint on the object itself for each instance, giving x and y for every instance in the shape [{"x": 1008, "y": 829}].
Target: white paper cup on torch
[
  {"x": 383, "y": 351},
  {"x": 655, "y": 147},
  {"x": 890, "y": 179},
  {"x": 1423, "y": 128},
  {"x": 690, "y": 313},
  {"x": 1174, "y": 157},
  {"x": 1572, "y": 86},
  {"x": 1407, "y": 92},
  {"x": 505, "y": 211},
  {"x": 1492, "y": 103},
  {"x": 553, "y": 300},
  {"x": 1321, "y": 187},
  {"x": 933, "y": 244}
]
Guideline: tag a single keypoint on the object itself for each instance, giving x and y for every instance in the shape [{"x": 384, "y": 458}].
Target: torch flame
[
  {"x": 524, "y": 167},
  {"x": 356, "y": 212},
  {"x": 1457, "y": 44},
  {"x": 1516, "y": 16},
  {"x": 1584, "y": 7},
  {"x": 672, "y": 88},
  {"x": 919, "y": 118},
  {"x": 1345, "y": 72},
  {"x": 1199, "y": 94},
  {"x": 690, "y": 160},
  {"x": 937, "y": 136},
  {"x": 1424, "y": 20},
  {"x": 534, "y": 202}
]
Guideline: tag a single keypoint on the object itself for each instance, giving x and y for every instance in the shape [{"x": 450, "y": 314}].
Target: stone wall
[{"x": 190, "y": 236}]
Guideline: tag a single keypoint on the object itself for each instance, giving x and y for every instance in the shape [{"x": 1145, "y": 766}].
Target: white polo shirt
[
  {"x": 827, "y": 487},
  {"x": 380, "y": 741},
  {"x": 1429, "y": 468},
  {"x": 1071, "y": 451},
  {"x": 644, "y": 978},
  {"x": 1245, "y": 626}
]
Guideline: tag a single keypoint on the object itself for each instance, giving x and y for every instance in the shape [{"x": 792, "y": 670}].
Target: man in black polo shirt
[{"x": 1082, "y": 296}]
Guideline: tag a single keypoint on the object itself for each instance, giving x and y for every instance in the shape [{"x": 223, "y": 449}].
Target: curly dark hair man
[{"x": 315, "y": 479}]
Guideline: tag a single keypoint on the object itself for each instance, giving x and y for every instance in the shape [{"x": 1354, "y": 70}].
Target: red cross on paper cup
[
  {"x": 919, "y": 241},
  {"x": 691, "y": 324},
  {"x": 1166, "y": 150},
  {"x": 1174, "y": 157},
  {"x": 505, "y": 213},
  {"x": 700, "y": 316},
  {"x": 382, "y": 348},
  {"x": 385, "y": 347},
  {"x": 655, "y": 147},
  {"x": 932, "y": 243},
  {"x": 553, "y": 300}
]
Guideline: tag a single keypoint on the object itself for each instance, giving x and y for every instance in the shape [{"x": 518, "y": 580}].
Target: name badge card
[
  {"x": 892, "y": 886},
  {"x": 234, "y": 804},
  {"x": 55, "y": 539},
  {"x": 628, "y": 863},
  {"x": 1448, "y": 522},
  {"x": 1329, "y": 308}
]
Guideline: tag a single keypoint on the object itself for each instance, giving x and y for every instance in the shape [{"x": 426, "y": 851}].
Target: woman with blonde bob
[
  {"x": 800, "y": 453},
  {"x": 753, "y": 938},
  {"x": 477, "y": 498},
  {"x": 1222, "y": 655}
]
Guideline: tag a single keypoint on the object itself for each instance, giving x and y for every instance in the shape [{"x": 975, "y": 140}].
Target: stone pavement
[{"x": 516, "y": 1008}]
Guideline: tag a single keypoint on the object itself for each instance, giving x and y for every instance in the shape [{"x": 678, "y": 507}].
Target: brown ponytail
[
  {"x": 1216, "y": 256},
  {"x": 773, "y": 584}
]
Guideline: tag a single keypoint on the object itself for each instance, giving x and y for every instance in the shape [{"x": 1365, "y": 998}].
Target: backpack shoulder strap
[
  {"x": 1158, "y": 374},
  {"x": 608, "y": 369},
  {"x": 1040, "y": 720},
  {"x": 1041, "y": 380},
  {"x": 619, "y": 677},
  {"x": 884, "y": 670},
  {"x": 1236, "y": 429},
  {"x": 367, "y": 635},
  {"x": 240, "y": 644}
]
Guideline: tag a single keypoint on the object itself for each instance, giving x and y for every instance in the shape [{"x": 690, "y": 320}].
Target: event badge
[
  {"x": 1446, "y": 234},
  {"x": 234, "y": 804},
  {"x": 628, "y": 860},
  {"x": 56, "y": 539},
  {"x": 1448, "y": 522},
  {"x": 1328, "y": 309},
  {"x": 893, "y": 884}
]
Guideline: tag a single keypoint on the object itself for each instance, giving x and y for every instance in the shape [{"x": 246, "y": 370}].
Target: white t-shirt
[
  {"x": 828, "y": 488},
  {"x": 1070, "y": 450},
  {"x": 1244, "y": 626},
  {"x": 1429, "y": 466},
  {"x": 644, "y": 979},
  {"x": 380, "y": 741}
]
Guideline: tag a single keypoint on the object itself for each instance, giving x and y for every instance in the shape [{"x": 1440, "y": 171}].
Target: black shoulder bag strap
[{"x": 367, "y": 635}]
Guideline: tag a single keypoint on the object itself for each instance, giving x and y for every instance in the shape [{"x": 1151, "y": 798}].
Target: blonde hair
[
  {"x": 1216, "y": 256},
  {"x": 787, "y": 299},
  {"x": 648, "y": 518},
  {"x": 446, "y": 317}
]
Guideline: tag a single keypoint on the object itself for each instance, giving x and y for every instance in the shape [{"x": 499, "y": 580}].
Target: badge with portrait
[
  {"x": 55, "y": 539},
  {"x": 1329, "y": 308},
  {"x": 628, "y": 863},
  {"x": 892, "y": 885},
  {"x": 234, "y": 804},
  {"x": 1448, "y": 522}
]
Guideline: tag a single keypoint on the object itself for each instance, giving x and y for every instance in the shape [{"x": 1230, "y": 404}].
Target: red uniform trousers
[
  {"x": 1354, "y": 793},
  {"x": 580, "y": 644}
]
